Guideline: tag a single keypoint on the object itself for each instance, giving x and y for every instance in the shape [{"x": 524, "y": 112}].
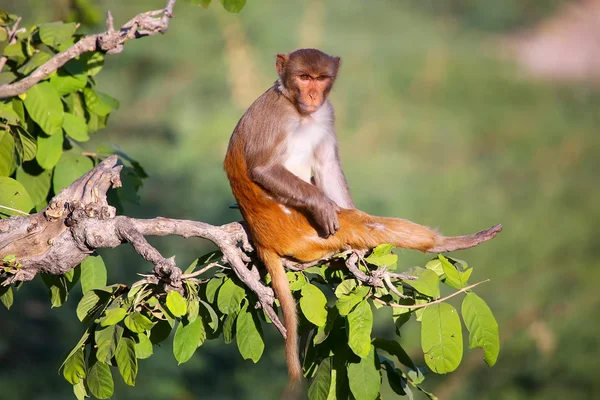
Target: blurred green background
[{"x": 437, "y": 124}]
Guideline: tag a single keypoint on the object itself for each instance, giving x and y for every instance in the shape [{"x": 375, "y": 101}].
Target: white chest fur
[{"x": 304, "y": 136}]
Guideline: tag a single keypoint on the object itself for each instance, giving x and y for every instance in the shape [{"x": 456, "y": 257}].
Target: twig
[
  {"x": 109, "y": 42},
  {"x": 394, "y": 305},
  {"x": 12, "y": 34},
  {"x": 200, "y": 272},
  {"x": 14, "y": 210}
]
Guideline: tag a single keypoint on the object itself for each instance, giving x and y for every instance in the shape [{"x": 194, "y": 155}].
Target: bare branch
[
  {"x": 440, "y": 300},
  {"x": 12, "y": 39},
  {"x": 109, "y": 42}
]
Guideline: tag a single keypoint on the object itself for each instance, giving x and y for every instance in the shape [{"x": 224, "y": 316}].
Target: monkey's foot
[{"x": 465, "y": 242}]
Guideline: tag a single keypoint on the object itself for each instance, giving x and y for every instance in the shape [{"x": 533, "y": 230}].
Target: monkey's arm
[
  {"x": 293, "y": 191},
  {"x": 329, "y": 176}
]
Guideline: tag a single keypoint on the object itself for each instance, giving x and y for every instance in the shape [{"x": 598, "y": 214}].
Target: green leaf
[
  {"x": 214, "y": 319},
  {"x": 321, "y": 383},
  {"x": 193, "y": 308},
  {"x": 211, "y": 288},
  {"x": 36, "y": 182},
  {"x": 113, "y": 316},
  {"x": 382, "y": 257},
  {"x": 228, "y": 327},
  {"x": 38, "y": 59},
  {"x": 203, "y": 3},
  {"x": 75, "y": 127},
  {"x": 427, "y": 283},
  {"x": 176, "y": 304},
  {"x": 96, "y": 103},
  {"x": 6, "y": 296},
  {"x": 93, "y": 62},
  {"x": 58, "y": 289},
  {"x": 7, "y": 153},
  {"x": 436, "y": 266},
  {"x": 7, "y": 113},
  {"x": 49, "y": 150},
  {"x": 54, "y": 33},
  {"x": 364, "y": 378},
  {"x": 249, "y": 335},
  {"x": 90, "y": 304},
  {"x": 160, "y": 332},
  {"x": 441, "y": 337},
  {"x": 297, "y": 280},
  {"x": 394, "y": 376},
  {"x": 107, "y": 340},
  {"x": 26, "y": 142},
  {"x": 137, "y": 322},
  {"x": 99, "y": 380},
  {"x": 126, "y": 360},
  {"x": 66, "y": 83},
  {"x": 345, "y": 288},
  {"x": 74, "y": 370},
  {"x": 394, "y": 348},
  {"x": 14, "y": 195},
  {"x": 93, "y": 273},
  {"x": 347, "y": 302},
  {"x": 314, "y": 305},
  {"x": 453, "y": 276},
  {"x": 230, "y": 297},
  {"x": 143, "y": 347},
  {"x": 233, "y": 6},
  {"x": 187, "y": 338},
  {"x": 45, "y": 108},
  {"x": 323, "y": 331},
  {"x": 79, "y": 391},
  {"x": 70, "y": 168},
  {"x": 482, "y": 326},
  {"x": 360, "y": 324},
  {"x": 15, "y": 52}
]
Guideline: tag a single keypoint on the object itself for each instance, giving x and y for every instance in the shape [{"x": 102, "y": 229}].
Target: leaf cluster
[{"x": 41, "y": 130}]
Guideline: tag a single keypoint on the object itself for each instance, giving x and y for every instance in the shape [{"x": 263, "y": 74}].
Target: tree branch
[{"x": 109, "y": 42}]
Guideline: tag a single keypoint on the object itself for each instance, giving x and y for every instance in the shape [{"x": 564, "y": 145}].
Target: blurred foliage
[{"x": 433, "y": 127}]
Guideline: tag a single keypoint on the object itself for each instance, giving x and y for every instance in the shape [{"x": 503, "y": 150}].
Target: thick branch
[{"x": 109, "y": 42}]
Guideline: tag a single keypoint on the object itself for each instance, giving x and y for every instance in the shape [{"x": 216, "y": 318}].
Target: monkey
[{"x": 284, "y": 170}]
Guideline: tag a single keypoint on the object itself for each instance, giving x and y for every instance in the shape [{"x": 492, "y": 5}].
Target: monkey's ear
[
  {"x": 336, "y": 63},
  {"x": 280, "y": 62}
]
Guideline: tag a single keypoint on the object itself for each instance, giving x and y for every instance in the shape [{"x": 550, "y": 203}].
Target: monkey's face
[
  {"x": 312, "y": 91},
  {"x": 308, "y": 75}
]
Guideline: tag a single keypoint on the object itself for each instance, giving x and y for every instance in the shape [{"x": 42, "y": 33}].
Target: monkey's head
[{"x": 307, "y": 76}]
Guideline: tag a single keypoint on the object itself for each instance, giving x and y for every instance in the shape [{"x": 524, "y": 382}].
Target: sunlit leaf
[
  {"x": 70, "y": 168},
  {"x": 113, "y": 316},
  {"x": 427, "y": 283},
  {"x": 137, "y": 322},
  {"x": 314, "y": 305},
  {"x": 321, "y": 382},
  {"x": 360, "y": 324},
  {"x": 14, "y": 195},
  {"x": 143, "y": 347},
  {"x": 441, "y": 338},
  {"x": 49, "y": 150},
  {"x": 54, "y": 33},
  {"x": 364, "y": 378},
  {"x": 93, "y": 273},
  {"x": 106, "y": 342},
  {"x": 482, "y": 326},
  {"x": 249, "y": 335},
  {"x": 99, "y": 380},
  {"x": 176, "y": 304},
  {"x": 126, "y": 360},
  {"x": 45, "y": 108},
  {"x": 75, "y": 127},
  {"x": 230, "y": 297},
  {"x": 187, "y": 338},
  {"x": 74, "y": 369},
  {"x": 233, "y": 6}
]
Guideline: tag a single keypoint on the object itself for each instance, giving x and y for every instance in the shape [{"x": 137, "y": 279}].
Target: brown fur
[{"x": 282, "y": 210}]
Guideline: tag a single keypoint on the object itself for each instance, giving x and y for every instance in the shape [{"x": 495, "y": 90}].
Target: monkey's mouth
[{"x": 308, "y": 108}]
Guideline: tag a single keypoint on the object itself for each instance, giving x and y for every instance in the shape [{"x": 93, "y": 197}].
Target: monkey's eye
[
  {"x": 321, "y": 78},
  {"x": 305, "y": 77}
]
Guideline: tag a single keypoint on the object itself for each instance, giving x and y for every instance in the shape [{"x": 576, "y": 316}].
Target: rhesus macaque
[{"x": 285, "y": 173}]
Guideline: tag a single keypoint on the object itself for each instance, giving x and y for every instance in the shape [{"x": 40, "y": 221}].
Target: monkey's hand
[{"x": 325, "y": 214}]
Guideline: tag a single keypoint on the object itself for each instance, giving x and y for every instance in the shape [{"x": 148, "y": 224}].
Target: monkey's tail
[
  {"x": 363, "y": 231},
  {"x": 282, "y": 290}
]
